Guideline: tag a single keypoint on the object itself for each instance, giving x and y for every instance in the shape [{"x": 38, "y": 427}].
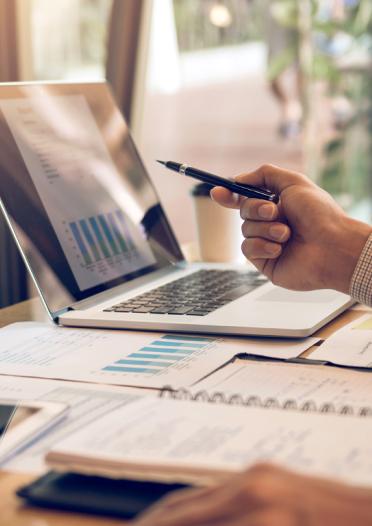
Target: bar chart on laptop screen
[
  {"x": 102, "y": 237},
  {"x": 170, "y": 351}
]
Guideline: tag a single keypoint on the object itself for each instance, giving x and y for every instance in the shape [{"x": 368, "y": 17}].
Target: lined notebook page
[
  {"x": 178, "y": 440},
  {"x": 283, "y": 381}
]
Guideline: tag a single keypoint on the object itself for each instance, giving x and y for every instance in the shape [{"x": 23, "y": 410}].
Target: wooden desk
[{"x": 13, "y": 512}]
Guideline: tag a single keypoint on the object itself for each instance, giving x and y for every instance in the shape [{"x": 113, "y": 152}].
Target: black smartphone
[{"x": 95, "y": 495}]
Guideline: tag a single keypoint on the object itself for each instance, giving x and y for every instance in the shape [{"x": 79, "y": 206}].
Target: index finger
[
  {"x": 259, "y": 210},
  {"x": 273, "y": 178}
]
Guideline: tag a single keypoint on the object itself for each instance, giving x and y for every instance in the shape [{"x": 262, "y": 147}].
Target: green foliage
[
  {"x": 346, "y": 164},
  {"x": 325, "y": 68}
]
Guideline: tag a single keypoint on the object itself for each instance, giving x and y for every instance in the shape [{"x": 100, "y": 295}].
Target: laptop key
[
  {"x": 238, "y": 292},
  {"x": 143, "y": 310},
  {"x": 196, "y": 294},
  {"x": 160, "y": 310},
  {"x": 180, "y": 310}
]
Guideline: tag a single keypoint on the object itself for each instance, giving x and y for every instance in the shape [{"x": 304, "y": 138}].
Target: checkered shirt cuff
[{"x": 361, "y": 282}]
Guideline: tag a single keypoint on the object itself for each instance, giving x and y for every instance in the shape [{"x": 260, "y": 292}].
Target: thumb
[{"x": 273, "y": 178}]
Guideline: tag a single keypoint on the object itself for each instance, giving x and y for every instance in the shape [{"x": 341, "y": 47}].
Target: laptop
[{"x": 96, "y": 239}]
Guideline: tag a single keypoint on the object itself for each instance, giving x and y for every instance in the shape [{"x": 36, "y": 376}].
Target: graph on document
[
  {"x": 101, "y": 237},
  {"x": 156, "y": 358}
]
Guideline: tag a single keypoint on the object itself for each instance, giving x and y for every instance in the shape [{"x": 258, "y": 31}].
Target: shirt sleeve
[{"x": 361, "y": 281}]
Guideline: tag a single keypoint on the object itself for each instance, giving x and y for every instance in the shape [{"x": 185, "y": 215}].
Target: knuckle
[
  {"x": 278, "y": 231},
  {"x": 247, "y": 228},
  {"x": 262, "y": 468},
  {"x": 245, "y": 248},
  {"x": 257, "y": 245},
  {"x": 261, "y": 483},
  {"x": 253, "y": 247},
  {"x": 260, "y": 490},
  {"x": 265, "y": 168},
  {"x": 249, "y": 208},
  {"x": 248, "y": 246}
]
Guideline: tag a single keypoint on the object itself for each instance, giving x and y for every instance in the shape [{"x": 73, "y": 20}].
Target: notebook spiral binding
[{"x": 219, "y": 397}]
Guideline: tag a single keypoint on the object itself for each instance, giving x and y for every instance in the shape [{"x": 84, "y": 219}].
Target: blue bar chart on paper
[
  {"x": 168, "y": 351},
  {"x": 131, "y": 358}
]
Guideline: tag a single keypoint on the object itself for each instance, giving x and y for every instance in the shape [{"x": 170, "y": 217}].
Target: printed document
[
  {"x": 142, "y": 359},
  {"x": 179, "y": 440},
  {"x": 350, "y": 346}
]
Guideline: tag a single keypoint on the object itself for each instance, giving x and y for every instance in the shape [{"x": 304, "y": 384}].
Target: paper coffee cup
[{"x": 219, "y": 228}]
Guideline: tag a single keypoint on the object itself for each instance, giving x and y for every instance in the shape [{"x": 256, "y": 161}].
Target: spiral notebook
[
  {"x": 219, "y": 397},
  {"x": 201, "y": 438},
  {"x": 316, "y": 388}
]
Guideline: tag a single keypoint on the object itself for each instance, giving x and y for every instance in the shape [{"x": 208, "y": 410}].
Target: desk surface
[{"x": 13, "y": 513}]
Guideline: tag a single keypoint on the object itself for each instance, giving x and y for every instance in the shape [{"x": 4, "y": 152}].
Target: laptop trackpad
[{"x": 283, "y": 295}]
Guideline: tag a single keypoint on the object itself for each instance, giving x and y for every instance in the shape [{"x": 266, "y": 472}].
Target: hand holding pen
[{"x": 214, "y": 180}]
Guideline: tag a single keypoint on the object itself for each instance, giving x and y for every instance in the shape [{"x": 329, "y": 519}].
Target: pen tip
[{"x": 161, "y": 162}]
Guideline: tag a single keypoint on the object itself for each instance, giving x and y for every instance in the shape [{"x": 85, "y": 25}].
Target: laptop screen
[{"x": 76, "y": 192}]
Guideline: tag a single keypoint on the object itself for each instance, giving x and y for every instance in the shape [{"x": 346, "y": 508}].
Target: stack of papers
[{"x": 50, "y": 354}]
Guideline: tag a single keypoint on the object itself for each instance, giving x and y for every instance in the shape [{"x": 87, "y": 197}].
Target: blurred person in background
[{"x": 284, "y": 73}]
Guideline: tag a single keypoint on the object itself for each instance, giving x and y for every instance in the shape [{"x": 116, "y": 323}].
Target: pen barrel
[
  {"x": 214, "y": 180},
  {"x": 206, "y": 177},
  {"x": 244, "y": 190}
]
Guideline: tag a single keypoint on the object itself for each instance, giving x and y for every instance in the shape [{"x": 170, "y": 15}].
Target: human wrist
[{"x": 346, "y": 247}]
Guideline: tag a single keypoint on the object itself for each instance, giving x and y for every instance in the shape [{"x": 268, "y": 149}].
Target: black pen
[{"x": 214, "y": 180}]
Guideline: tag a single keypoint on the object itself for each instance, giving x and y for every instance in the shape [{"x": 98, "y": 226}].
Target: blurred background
[{"x": 224, "y": 85}]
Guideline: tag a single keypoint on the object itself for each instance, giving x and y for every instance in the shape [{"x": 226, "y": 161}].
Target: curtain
[
  {"x": 122, "y": 46},
  {"x": 13, "y": 277}
]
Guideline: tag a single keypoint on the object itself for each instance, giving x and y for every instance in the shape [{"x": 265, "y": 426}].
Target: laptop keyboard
[{"x": 197, "y": 294}]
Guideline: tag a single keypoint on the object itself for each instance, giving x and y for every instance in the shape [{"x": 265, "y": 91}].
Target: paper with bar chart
[
  {"x": 80, "y": 187},
  {"x": 111, "y": 357},
  {"x": 144, "y": 359}
]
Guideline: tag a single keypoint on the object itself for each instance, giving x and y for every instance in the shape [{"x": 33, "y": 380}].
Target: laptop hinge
[{"x": 56, "y": 315}]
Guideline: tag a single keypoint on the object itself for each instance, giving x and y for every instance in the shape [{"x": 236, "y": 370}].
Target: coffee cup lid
[{"x": 202, "y": 189}]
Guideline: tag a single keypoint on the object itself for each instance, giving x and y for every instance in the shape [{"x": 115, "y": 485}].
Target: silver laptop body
[{"x": 94, "y": 236}]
